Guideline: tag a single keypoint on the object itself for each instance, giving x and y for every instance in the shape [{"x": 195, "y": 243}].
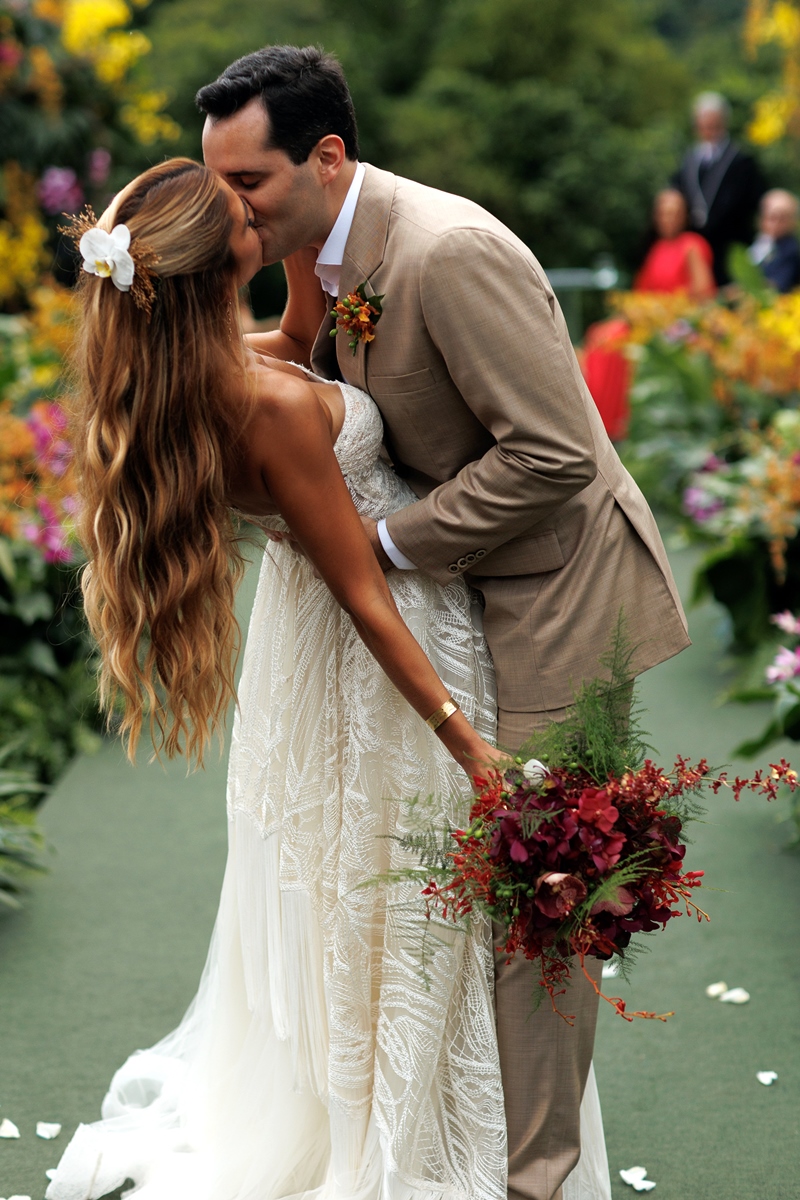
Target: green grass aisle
[
  {"x": 682, "y": 1099},
  {"x": 109, "y": 950}
]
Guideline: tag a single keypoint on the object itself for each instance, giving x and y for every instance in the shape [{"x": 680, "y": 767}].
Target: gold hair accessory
[
  {"x": 127, "y": 262},
  {"x": 440, "y": 716}
]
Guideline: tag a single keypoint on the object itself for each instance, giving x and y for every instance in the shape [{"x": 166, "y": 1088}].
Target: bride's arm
[
  {"x": 303, "y": 315},
  {"x": 290, "y": 446}
]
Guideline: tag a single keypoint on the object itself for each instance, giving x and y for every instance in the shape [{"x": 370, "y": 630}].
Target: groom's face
[{"x": 288, "y": 200}]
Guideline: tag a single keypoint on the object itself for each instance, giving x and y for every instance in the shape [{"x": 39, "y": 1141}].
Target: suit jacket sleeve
[{"x": 506, "y": 348}]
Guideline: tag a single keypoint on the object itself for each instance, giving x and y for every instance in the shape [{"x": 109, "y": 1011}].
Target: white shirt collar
[
  {"x": 331, "y": 256},
  {"x": 711, "y": 152}
]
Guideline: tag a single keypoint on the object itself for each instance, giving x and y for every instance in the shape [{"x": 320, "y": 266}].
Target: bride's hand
[
  {"x": 470, "y": 751},
  {"x": 484, "y": 759}
]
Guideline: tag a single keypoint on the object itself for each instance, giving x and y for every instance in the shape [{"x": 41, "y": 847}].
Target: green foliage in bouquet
[{"x": 601, "y": 734}]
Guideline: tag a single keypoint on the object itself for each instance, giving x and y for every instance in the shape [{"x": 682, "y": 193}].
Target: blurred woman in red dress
[{"x": 678, "y": 261}]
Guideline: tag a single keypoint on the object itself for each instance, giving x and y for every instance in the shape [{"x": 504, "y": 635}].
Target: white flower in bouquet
[{"x": 534, "y": 771}]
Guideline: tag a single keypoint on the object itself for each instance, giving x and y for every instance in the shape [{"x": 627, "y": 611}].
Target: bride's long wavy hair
[{"x": 158, "y": 416}]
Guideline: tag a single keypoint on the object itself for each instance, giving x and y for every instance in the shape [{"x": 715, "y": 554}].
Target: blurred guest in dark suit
[
  {"x": 776, "y": 249},
  {"x": 721, "y": 183}
]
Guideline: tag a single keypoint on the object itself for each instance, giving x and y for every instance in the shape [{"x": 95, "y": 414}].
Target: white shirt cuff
[{"x": 397, "y": 557}]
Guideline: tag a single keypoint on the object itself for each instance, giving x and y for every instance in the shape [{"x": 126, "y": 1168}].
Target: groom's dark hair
[{"x": 303, "y": 91}]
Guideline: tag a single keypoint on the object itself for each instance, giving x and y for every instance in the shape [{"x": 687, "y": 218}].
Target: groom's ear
[{"x": 328, "y": 157}]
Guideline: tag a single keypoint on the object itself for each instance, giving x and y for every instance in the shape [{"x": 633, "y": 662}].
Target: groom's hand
[{"x": 371, "y": 530}]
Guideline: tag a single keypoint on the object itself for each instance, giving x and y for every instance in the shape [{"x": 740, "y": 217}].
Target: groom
[{"x": 487, "y": 416}]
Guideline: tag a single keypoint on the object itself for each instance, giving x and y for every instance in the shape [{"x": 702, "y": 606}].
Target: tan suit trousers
[{"x": 544, "y": 1062}]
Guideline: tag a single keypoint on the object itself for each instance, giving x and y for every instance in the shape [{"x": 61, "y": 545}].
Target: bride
[{"x": 317, "y": 1060}]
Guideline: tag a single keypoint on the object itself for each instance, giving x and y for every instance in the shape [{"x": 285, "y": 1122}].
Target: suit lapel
[{"x": 363, "y": 254}]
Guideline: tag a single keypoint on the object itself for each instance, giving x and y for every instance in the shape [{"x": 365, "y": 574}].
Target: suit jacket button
[
  {"x": 453, "y": 568},
  {"x": 471, "y": 558},
  {"x": 480, "y": 553}
]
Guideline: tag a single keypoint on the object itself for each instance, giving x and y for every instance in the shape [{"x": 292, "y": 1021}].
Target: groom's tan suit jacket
[{"x": 488, "y": 417}]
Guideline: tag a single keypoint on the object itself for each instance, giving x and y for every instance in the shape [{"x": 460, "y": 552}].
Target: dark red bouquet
[{"x": 580, "y": 848}]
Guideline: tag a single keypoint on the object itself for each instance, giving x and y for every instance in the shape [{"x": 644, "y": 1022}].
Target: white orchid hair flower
[
  {"x": 130, "y": 267},
  {"x": 106, "y": 255}
]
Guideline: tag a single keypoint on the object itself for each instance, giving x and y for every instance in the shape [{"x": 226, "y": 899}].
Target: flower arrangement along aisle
[
  {"x": 704, "y": 372},
  {"x": 580, "y": 848},
  {"x": 749, "y": 509}
]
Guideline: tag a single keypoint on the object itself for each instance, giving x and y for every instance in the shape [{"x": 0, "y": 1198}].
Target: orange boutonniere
[{"x": 358, "y": 315}]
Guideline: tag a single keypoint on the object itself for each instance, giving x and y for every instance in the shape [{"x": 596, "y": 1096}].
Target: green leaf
[
  {"x": 34, "y": 606},
  {"x": 7, "y": 568},
  {"x": 41, "y": 658}
]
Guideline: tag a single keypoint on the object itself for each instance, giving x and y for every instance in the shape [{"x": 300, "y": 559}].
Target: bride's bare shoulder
[{"x": 282, "y": 395}]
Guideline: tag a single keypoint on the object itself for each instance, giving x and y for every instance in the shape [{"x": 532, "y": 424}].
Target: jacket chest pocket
[{"x": 401, "y": 385}]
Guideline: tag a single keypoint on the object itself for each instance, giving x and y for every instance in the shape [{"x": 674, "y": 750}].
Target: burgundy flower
[
  {"x": 618, "y": 908},
  {"x": 557, "y": 894},
  {"x": 596, "y": 809},
  {"x": 604, "y": 850}
]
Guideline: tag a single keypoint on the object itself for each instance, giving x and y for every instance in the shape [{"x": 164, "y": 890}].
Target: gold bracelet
[{"x": 440, "y": 716}]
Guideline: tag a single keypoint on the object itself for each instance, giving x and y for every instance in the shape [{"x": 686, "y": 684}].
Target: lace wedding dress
[{"x": 318, "y": 1061}]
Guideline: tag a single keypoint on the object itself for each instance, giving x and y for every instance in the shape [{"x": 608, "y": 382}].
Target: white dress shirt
[
  {"x": 331, "y": 256},
  {"x": 328, "y": 269}
]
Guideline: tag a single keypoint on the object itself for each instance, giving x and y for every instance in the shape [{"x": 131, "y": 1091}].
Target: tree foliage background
[{"x": 561, "y": 116}]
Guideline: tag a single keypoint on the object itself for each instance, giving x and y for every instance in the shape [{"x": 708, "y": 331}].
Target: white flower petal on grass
[
  {"x": 735, "y": 996},
  {"x": 715, "y": 990},
  {"x": 47, "y": 1130},
  {"x": 106, "y": 254},
  {"x": 8, "y": 1129},
  {"x": 611, "y": 969},
  {"x": 19, "y": 1198},
  {"x": 635, "y": 1178},
  {"x": 766, "y": 1077}
]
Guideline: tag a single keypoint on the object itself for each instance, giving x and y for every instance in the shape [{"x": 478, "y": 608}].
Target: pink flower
[
  {"x": 11, "y": 54},
  {"x": 786, "y": 621},
  {"x": 99, "y": 166},
  {"x": 557, "y": 894},
  {"x": 59, "y": 191},
  {"x": 786, "y": 665},
  {"x": 50, "y": 537},
  {"x": 700, "y": 505},
  {"x": 619, "y": 907},
  {"x": 678, "y": 331},
  {"x": 47, "y": 423}
]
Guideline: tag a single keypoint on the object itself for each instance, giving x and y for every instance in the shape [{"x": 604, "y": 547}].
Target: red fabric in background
[
  {"x": 608, "y": 374},
  {"x": 666, "y": 268},
  {"x": 606, "y": 370}
]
